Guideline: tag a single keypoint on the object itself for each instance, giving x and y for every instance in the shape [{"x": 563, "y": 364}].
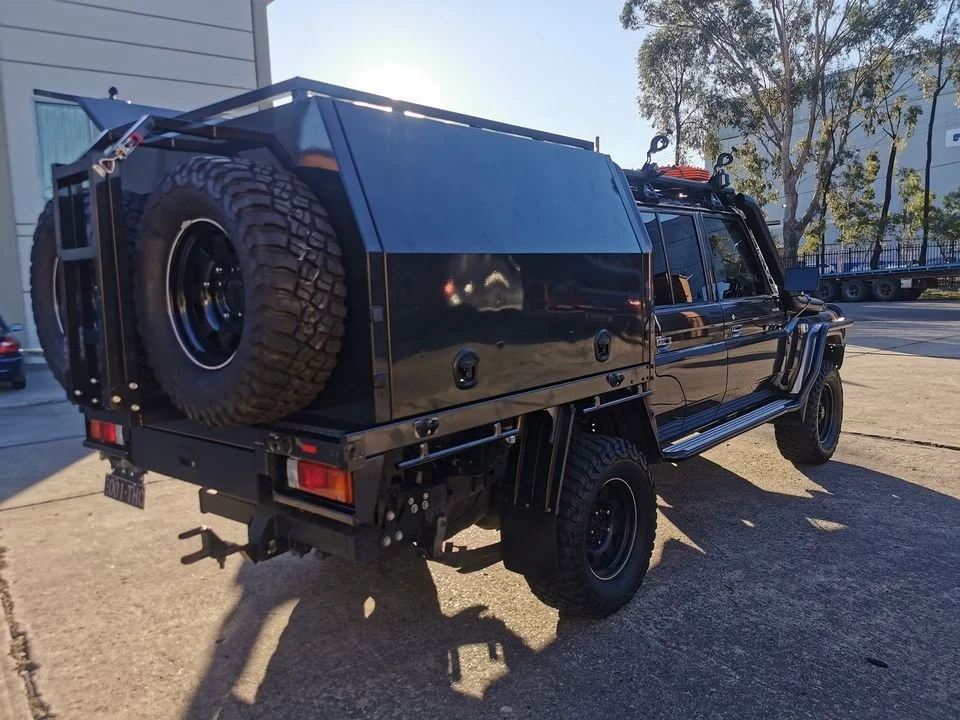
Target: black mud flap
[{"x": 529, "y": 540}]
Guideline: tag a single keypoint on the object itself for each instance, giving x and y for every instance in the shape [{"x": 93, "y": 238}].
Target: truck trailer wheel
[
  {"x": 828, "y": 290},
  {"x": 45, "y": 286},
  {"x": 813, "y": 440},
  {"x": 240, "y": 291},
  {"x": 886, "y": 289},
  {"x": 606, "y": 524},
  {"x": 911, "y": 293},
  {"x": 854, "y": 291}
]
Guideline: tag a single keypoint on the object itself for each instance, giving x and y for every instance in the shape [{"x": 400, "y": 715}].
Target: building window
[{"x": 64, "y": 133}]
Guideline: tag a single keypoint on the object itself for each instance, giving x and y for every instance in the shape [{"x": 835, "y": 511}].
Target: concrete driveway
[{"x": 775, "y": 592}]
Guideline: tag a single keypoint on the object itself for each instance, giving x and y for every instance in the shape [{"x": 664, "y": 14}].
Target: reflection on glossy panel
[{"x": 531, "y": 319}]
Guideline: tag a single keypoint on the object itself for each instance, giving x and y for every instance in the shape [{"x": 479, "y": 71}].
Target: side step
[
  {"x": 696, "y": 444},
  {"x": 810, "y": 361}
]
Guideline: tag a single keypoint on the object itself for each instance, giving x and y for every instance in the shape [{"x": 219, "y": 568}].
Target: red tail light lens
[
  {"x": 104, "y": 432},
  {"x": 9, "y": 346},
  {"x": 323, "y": 480}
]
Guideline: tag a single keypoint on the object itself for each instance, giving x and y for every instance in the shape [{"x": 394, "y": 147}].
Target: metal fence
[{"x": 892, "y": 257}]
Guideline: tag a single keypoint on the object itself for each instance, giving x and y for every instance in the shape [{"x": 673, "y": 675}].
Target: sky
[{"x": 563, "y": 66}]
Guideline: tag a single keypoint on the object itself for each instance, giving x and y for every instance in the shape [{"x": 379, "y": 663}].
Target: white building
[
  {"x": 944, "y": 170},
  {"x": 178, "y": 54}
]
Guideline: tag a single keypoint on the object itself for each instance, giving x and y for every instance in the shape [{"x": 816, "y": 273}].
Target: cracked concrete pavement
[{"x": 774, "y": 591}]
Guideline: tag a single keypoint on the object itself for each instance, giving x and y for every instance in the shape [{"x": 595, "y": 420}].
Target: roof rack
[
  {"x": 650, "y": 184},
  {"x": 298, "y": 89}
]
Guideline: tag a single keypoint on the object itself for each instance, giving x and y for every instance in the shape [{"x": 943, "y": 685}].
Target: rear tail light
[
  {"x": 323, "y": 480},
  {"x": 9, "y": 346},
  {"x": 104, "y": 432}
]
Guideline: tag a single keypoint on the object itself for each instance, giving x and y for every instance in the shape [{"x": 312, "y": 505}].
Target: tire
[
  {"x": 600, "y": 468},
  {"x": 252, "y": 243},
  {"x": 854, "y": 291},
  {"x": 19, "y": 384},
  {"x": 809, "y": 441},
  {"x": 828, "y": 290},
  {"x": 44, "y": 278},
  {"x": 886, "y": 289},
  {"x": 911, "y": 293}
]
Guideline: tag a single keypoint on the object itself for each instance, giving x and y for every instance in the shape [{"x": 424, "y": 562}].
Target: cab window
[
  {"x": 736, "y": 268},
  {"x": 662, "y": 294},
  {"x": 687, "y": 278}
]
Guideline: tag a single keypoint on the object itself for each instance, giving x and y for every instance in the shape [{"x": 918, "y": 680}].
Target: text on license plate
[{"x": 125, "y": 490}]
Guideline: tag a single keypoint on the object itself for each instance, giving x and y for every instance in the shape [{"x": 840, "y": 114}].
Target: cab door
[
  {"x": 753, "y": 316},
  {"x": 690, "y": 373}
]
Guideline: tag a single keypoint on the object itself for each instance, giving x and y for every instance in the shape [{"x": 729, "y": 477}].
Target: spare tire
[
  {"x": 45, "y": 284},
  {"x": 240, "y": 291}
]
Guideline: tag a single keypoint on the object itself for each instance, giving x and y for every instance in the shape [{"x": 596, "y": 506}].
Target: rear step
[{"x": 809, "y": 369}]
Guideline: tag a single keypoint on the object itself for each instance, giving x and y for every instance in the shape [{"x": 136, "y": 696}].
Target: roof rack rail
[{"x": 299, "y": 89}]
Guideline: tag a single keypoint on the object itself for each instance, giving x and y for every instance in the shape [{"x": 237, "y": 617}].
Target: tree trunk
[
  {"x": 677, "y": 154},
  {"x": 885, "y": 208},
  {"x": 791, "y": 228},
  {"x": 926, "y": 175}
]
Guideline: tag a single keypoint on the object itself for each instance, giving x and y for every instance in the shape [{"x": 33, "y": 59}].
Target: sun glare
[{"x": 398, "y": 81}]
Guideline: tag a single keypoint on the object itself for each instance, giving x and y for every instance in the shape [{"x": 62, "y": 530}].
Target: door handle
[{"x": 736, "y": 330}]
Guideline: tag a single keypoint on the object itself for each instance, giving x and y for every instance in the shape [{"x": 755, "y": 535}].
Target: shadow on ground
[{"x": 838, "y": 601}]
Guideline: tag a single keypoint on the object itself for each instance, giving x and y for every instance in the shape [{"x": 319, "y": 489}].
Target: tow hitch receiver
[{"x": 212, "y": 546}]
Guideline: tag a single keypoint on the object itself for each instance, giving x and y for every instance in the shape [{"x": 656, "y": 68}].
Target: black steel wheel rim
[
  {"x": 826, "y": 416},
  {"x": 205, "y": 294},
  {"x": 884, "y": 289},
  {"x": 611, "y": 529}
]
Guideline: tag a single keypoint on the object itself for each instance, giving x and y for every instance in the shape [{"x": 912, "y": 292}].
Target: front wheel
[
  {"x": 813, "y": 439},
  {"x": 606, "y": 524}
]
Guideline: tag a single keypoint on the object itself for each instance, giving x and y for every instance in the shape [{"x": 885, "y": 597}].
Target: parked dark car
[{"x": 11, "y": 358}]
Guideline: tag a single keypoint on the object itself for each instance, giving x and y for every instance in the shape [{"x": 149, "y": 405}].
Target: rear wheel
[
  {"x": 813, "y": 439},
  {"x": 854, "y": 291},
  {"x": 240, "y": 291},
  {"x": 606, "y": 524},
  {"x": 886, "y": 289},
  {"x": 912, "y": 293}
]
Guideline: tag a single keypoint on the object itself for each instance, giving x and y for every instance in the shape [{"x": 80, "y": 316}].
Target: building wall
[
  {"x": 176, "y": 53},
  {"x": 945, "y": 168}
]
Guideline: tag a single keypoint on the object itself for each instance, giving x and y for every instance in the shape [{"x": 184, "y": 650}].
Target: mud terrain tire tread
[{"x": 295, "y": 290}]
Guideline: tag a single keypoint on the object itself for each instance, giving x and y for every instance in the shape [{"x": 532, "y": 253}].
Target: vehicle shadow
[{"x": 838, "y": 599}]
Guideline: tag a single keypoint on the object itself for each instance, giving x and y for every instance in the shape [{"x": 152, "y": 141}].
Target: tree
[
  {"x": 674, "y": 92},
  {"x": 945, "y": 226},
  {"x": 773, "y": 62},
  {"x": 751, "y": 170},
  {"x": 888, "y": 110},
  {"x": 913, "y": 200},
  {"x": 852, "y": 200},
  {"x": 942, "y": 56}
]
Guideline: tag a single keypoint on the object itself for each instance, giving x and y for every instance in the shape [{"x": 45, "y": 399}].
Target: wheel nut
[
  {"x": 78, "y": 393},
  {"x": 134, "y": 386},
  {"x": 414, "y": 509},
  {"x": 426, "y": 495},
  {"x": 391, "y": 515},
  {"x": 135, "y": 407},
  {"x": 398, "y": 536},
  {"x": 425, "y": 504},
  {"x": 386, "y": 541},
  {"x": 116, "y": 399},
  {"x": 409, "y": 501}
]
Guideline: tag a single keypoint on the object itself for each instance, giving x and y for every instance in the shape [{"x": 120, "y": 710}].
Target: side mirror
[
  {"x": 16, "y": 327},
  {"x": 802, "y": 280}
]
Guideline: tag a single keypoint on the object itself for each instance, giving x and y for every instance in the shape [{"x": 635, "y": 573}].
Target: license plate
[{"x": 125, "y": 490}]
